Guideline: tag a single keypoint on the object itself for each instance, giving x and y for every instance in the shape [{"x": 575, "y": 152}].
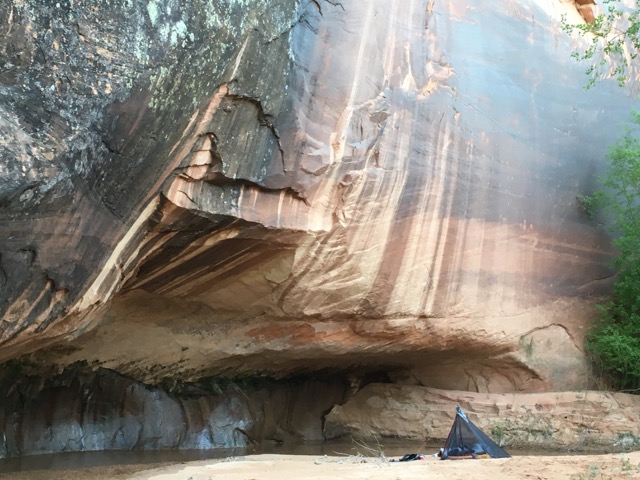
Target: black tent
[{"x": 465, "y": 440}]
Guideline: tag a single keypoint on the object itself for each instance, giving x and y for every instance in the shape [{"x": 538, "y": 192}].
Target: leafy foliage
[
  {"x": 615, "y": 33},
  {"x": 616, "y": 341}
]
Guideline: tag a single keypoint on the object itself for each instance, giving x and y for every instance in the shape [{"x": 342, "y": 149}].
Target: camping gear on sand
[
  {"x": 409, "y": 457},
  {"x": 466, "y": 440}
]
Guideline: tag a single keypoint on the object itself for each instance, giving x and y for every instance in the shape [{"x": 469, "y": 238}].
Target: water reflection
[{"x": 80, "y": 460}]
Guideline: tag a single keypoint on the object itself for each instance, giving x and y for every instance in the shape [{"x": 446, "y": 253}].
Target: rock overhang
[{"x": 398, "y": 192}]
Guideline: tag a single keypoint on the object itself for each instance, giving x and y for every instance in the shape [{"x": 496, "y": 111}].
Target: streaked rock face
[
  {"x": 90, "y": 411},
  {"x": 283, "y": 188}
]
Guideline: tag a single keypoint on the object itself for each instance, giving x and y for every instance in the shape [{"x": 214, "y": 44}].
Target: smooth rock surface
[{"x": 99, "y": 411}]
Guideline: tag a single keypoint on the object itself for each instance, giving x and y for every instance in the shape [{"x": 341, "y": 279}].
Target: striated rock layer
[
  {"x": 574, "y": 420},
  {"x": 282, "y": 187}
]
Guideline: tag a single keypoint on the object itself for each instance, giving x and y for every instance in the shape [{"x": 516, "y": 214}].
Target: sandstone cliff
[{"x": 194, "y": 189}]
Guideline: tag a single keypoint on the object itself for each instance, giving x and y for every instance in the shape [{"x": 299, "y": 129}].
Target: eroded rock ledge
[{"x": 563, "y": 420}]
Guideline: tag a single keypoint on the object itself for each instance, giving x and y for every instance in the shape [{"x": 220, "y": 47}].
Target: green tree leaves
[
  {"x": 616, "y": 340},
  {"x": 614, "y": 42}
]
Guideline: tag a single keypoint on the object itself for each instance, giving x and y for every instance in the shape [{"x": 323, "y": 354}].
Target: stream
[{"x": 82, "y": 460}]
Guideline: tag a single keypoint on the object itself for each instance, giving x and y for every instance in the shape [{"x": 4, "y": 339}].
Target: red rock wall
[
  {"x": 386, "y": 185},
  {"x": 578, "y": 421}
]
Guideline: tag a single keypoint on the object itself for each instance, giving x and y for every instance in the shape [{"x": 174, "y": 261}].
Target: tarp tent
[{"x": 466, "y": 440}]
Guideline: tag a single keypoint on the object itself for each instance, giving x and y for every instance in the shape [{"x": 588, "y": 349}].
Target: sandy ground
[{"x": 290, "y": 467}]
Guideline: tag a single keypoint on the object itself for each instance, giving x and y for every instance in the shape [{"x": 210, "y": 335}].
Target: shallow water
[{"x": 80, "y": 460}]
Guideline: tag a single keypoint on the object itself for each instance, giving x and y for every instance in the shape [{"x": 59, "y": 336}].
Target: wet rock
[{"x": 84, "y": 411}]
